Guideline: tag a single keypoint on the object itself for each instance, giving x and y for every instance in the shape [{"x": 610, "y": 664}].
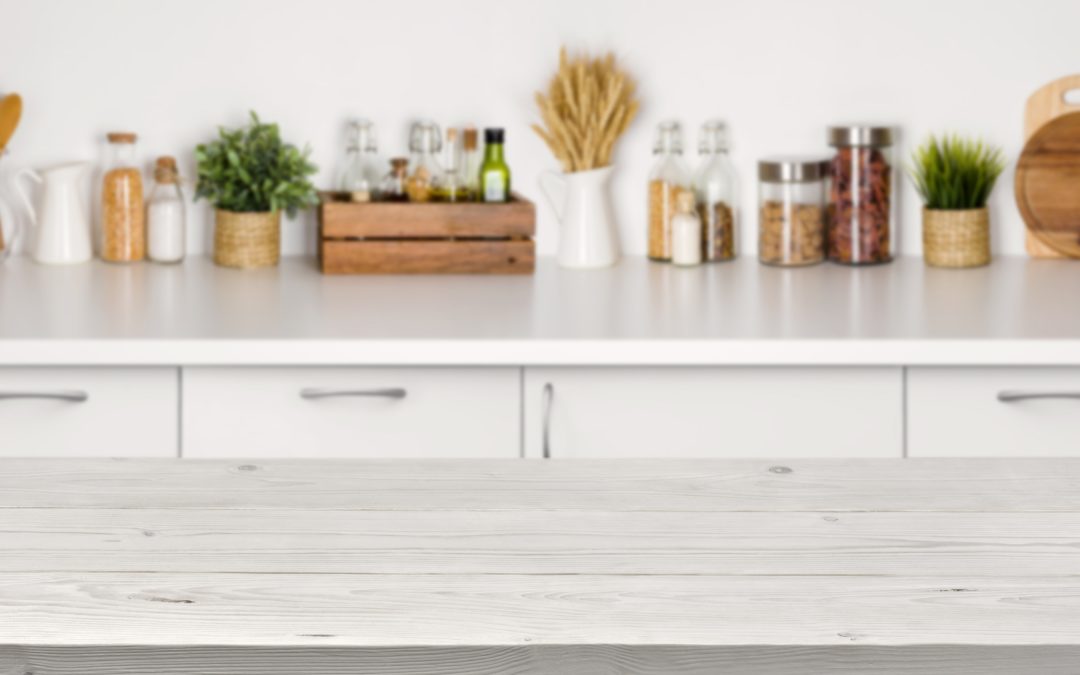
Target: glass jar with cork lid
[
  {"x": 123, "y": 218},
  {"x": 166, "y": 228}
]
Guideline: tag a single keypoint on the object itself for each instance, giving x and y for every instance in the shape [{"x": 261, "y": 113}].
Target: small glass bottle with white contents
[{"x": 166, "y": 225}]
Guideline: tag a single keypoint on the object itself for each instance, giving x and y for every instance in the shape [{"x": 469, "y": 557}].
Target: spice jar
[
  {"x": 862, "y": 207},
  {"x": 714, "y": 187},
  {"x": 123, "y": 218},
  {"x": 669, "y": 177},
  {"x": 165, "y": 218},
  {"x": 392, "y": 187},
  {"x": 686, "y": 233},
  {"x": 791, "y": 224},
  {"x": 425, "y": 142}
]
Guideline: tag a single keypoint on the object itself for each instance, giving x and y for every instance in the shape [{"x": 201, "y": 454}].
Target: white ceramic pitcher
[
  {"x": 588, "y": 237},
  {"x": 62, "y": 234}
]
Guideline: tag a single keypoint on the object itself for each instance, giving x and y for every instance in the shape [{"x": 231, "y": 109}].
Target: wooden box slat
[
  {"x": 428, "y": 257},
  {"x": 342, "y": 219}
]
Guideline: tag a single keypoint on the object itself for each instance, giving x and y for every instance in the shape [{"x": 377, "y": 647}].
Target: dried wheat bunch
[{"x": 587, "y": 107}]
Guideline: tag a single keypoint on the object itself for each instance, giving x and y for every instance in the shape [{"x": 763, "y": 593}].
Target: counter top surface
[
  {"x": 1014, "y": 311},
  {"x": 513, "y": 553}
]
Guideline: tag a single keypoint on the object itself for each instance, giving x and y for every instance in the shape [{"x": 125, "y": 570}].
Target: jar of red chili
[{"x": 862, "y": 196}]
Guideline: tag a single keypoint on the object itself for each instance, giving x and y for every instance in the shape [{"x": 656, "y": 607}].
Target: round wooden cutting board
[{"x": 1048, "y": 185}]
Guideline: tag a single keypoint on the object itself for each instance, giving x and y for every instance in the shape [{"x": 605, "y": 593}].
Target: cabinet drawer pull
[
  {"x": 549, "y": 399},
  {"x": 314, "y": 393},
  {"x": 1013, "y": 396},
  {"x": 71, "y": 396}
]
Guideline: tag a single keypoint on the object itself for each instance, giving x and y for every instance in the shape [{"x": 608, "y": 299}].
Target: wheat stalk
[{"x": 588, "y": 105}]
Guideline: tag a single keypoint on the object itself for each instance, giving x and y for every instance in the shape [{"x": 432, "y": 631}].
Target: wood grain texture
[
  {"x": 546, "y": 660},
  {"x": 433, "y": 256},
  {"x": 919, "y": 485},
  {"x": 513, "y": 610},
  {"x": 1047, "y": 174},
  {"x": 388, "y": 220},
  {"x": 538, "y": 542}
]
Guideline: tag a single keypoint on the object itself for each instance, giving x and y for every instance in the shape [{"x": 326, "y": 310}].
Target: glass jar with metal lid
[
  {"x": 791, "y": 222},
  {"x": 862, "y": 199}
]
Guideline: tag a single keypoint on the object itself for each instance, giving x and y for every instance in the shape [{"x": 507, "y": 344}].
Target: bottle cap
[
  {"x": 399, "y": 165},
  {"x": 165, "y": 170},
  {"x": 471, "y": 138},
  {"x": 714, "y": 137},
  {"x": 425, "y": 137},
  {"x": 668, "y": 137},
  {"x": 860, "y": 135},
  {"x": 793, "y": 169},
  {"x": 684, "y": 202},
  {"x": 494, "y": 135},
  {"x": 121, "y": 137}
]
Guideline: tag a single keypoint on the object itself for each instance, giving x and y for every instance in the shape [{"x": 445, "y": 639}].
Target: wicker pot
[
  {"x": 958, "y": 238},
  {"x": 247, "y": 240}
]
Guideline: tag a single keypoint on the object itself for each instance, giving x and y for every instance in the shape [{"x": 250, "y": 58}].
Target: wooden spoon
[{"x": 10, "y": 112}]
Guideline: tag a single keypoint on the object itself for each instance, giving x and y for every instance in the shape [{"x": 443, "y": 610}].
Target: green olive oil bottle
[{"x": 494, "y": 173}]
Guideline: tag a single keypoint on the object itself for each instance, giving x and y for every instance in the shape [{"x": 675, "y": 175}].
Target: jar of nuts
[
  {"x": 670, "y": 177},
  {"x": 862, "y": 201},
  {"x": 791, "y": 223}
]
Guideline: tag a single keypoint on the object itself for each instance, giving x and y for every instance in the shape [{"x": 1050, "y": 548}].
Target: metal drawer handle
[
  {"x": 1013, "y": 396},
  {"x": 315, "y": 393},
  {"x": 72, "y": 396},
  {"x": 549, "y": 399}
]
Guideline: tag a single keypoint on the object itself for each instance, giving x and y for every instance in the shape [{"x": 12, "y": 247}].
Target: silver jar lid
[
  {"x": 793, "y": 169},
  {"x": 860, "y": 135}
]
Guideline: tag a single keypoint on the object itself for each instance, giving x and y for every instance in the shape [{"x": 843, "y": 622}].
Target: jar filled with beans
[
  {"x": 862, "y": 199},
  {"x": 123, "y": 218},
  {"x": 791, "y": 219}
]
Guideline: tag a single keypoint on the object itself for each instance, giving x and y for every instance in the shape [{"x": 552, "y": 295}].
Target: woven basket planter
[
  {"x": 956, "y": 238},
  {"x": 247, "y": 240}
]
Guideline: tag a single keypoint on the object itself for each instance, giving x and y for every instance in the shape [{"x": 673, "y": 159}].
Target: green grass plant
[{"x": 954, "y": 173}]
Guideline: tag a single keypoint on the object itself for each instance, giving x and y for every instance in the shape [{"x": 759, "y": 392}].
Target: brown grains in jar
[
  {"x": 791, "y": 234},
  {"x": 662, "y": 198},
  {"x": 859, "y": 207},
  {"x": 123, "y": 216},
  {"x": 718, "y": 230}
]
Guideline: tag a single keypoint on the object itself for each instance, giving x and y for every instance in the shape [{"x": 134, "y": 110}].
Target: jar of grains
[
  {"x": 669, "y": 177},
  {"x": 715, "y": 188},
  {"x": 791, "y": 223},
  {"x": 123, "y": 218},
  {"x": 862, "y": 201}
]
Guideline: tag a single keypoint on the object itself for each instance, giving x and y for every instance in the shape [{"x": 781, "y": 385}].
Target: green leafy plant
[
  {"x": 250, "y": 170},
  {"x": 956, "y": 173}
]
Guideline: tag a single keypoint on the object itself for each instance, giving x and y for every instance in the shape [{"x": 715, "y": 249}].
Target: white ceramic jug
[
  {"x": 62, "y": 234},
  {"x": 582, "y": 202}
]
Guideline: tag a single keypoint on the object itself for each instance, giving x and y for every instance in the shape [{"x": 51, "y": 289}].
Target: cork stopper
[
  {"x": 121, "y": 137},
  {"x": 165, "y": 170},
  {"x": 451, "y": 136},
  {"x": 684, "y": 203},
  {"x": 471, "y": 139},
  {"x": 399, "y": 165}
]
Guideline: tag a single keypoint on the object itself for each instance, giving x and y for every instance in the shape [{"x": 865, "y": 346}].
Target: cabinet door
[
  {"x": 89, "y": 412},
  {"x": 352, "y": 412},
  {"x": 713, "y": 412},
  {"x": 994, "y": 412}
]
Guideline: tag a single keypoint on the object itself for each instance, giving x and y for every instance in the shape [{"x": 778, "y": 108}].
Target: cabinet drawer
[
  {"x": 956, "y": 412},
  {"x": 352, "y": 412},
  {"x": 88, "y": 412},
  {"x": 714, "y": 412}
]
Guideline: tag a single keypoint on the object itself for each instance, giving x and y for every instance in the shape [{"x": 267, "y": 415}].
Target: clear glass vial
[
  {"x": 450, "y": 185},
  {"x": 669, "y": 176},
  {"x": 425, "y": 144},
  {"x": 392, "y": 187},
  {"x": 791, "y": 223},
  {"x": 716, "y": 189},
  {"x": 360, "y": 172},
  {"x": 862, "y": 196},
  {"x": 686, "y": 232},
  {"x": 166, "y": 217}
]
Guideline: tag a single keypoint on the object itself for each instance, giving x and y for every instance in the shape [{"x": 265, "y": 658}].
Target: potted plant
[
  {"x": 955, "y": 176},
  {"x": 250, "y": 176}
]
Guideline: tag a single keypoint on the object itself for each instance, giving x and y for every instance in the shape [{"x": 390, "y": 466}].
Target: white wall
[{"x": 778, "y": 70}]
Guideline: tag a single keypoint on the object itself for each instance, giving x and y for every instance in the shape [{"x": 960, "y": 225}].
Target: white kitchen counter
[{"x": 1015, "y": 312}]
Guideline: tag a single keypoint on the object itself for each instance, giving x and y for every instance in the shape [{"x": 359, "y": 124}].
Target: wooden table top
[{"x": 505, "y": 560}]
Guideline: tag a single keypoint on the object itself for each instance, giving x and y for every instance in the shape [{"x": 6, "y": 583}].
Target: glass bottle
[
  {"x": 686, "y": 231},
  {"x": 791, "y": 226},
  {"x": 123, "y": 216},
  {"x": 392, "y": 187},
  {"x": 425, "y": 143},
  {"x": 165, "y": 215},
  {"x": 472, "y": 161},
  {"x": 494, "y": 173},
  {"x": 449, "y": 186},
  {"x": 862, "y": 199},
  {"x": 715, "y": 190},
  {"x": 669, "y": 177},
  {"x": 360, "y": 173}
]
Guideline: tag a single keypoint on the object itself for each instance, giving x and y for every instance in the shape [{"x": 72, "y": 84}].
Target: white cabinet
[
  {"x": 993, "y": 412},
  {"x": 352, "y": 412},
  {"x": 88, "y": 412},
  {"x": 714, "y": 412}
]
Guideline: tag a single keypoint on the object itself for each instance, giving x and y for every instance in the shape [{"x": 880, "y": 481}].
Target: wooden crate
[{"x": 431, "y": 238}]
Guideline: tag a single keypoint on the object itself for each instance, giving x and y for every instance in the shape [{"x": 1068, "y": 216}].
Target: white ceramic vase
[{"x": 588, "y": 238}]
